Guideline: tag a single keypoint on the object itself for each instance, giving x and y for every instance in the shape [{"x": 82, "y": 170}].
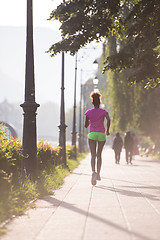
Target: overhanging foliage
[{"x": 136, "y": 21}]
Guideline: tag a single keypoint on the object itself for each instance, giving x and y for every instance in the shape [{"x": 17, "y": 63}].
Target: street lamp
[
  {"x": 74, "y": 133},
  {"x": 62, "y": 126},
  {"x": 29, "y": 161},
  {"x": 95, "y": 64},
  {"x": 95, "y": 83},
  {"x": 80, "y": 116},
  {"x": 83, "y": 119},
  {"x": 95, "y": 80}
]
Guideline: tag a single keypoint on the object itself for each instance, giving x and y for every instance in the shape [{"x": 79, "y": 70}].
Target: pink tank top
[{"x": 96, "y": 117}]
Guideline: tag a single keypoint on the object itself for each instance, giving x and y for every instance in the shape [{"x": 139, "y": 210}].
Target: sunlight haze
[
  {"x": 13, "y": 13},
  {"x": 47, "y": 69}
]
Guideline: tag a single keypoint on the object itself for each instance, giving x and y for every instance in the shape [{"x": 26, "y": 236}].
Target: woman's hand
[
  {"x": 87, "y": 122},
  {"x": 108, "y": 124},
  {"x": 107, "y": 133}
]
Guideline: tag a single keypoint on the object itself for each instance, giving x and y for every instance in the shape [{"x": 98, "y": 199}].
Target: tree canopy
[
  {"x": 83, "y": 21},
  {"x": 141, "y": 49}
]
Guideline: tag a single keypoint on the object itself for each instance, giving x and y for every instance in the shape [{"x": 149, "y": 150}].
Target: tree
[
  {"x": 86, "y": 20},
  {"x": 150, "y": 115},
  {"x": 123, "y": 100},
  {"x": 131, "y": 107},
  {"x": 141, "y": 49}
]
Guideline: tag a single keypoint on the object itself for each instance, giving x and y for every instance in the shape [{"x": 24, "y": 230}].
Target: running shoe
[
  {"x": 94, "y": 178},
  {"x": 98, "y": 177}
]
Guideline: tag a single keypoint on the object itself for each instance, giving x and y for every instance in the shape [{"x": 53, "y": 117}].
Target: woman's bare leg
[
  {"x": 92, "y": 145},
  {"x": 99, "y": 157}
]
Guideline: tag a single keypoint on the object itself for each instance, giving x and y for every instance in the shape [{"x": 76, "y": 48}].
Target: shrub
[
  {"x": 10, "y": 161},
  {"x": 51, "y": 179},
  {"x": 18, "y": 198},
  {"x": 47, "y": 155},
  {"x": 70, "y": 152},
  {"x": 16, "y": 194}
]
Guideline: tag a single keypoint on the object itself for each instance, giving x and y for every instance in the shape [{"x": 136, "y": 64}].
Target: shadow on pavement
[
  {"x": 130, "y": 193},
  {"x": 72, "y": 207}
]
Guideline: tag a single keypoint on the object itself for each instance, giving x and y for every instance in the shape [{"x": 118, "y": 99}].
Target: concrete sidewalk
[{"x": 124, "y": 205}]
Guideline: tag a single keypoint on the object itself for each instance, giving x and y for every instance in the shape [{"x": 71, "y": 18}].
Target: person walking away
[
  {"x": 117, "y": 147},
  {"x": 135, "y": 145},
  {"x": 128, "y": 145},
  {"x": 97, "y": 133}
]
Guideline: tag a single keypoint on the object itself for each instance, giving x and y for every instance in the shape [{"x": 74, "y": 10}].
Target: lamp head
[
  {"x": 95, "y": 81},
  {"x": 95, "y": 64}
]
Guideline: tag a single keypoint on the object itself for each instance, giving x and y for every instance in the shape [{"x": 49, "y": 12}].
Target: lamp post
[
  {"x": 62, "y": 126},
  {"x": 80, "y": 116},
  {"x": 83, "y": 122},
  {"x": 29, "y": 161},
  {"x": 74, "y": 133}
]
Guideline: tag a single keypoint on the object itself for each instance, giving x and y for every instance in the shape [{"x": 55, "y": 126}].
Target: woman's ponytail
[{"x": 96, "y": 96}]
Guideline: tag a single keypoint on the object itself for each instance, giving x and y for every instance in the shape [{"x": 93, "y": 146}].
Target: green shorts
[{"x": 97, "y": 136}]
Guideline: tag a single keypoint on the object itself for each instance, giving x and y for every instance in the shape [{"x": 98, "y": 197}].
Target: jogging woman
[{"x": 97, "y": 134}]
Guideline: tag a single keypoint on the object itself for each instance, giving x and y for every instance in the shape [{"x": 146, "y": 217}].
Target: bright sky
[{"x": 13, "y": 13}]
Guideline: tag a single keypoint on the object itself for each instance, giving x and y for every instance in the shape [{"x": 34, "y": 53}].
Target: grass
[
  {"x": 19, "y": 198},
  {"x": 154, "y": 155},
  {"x": 53, "y": 178}
]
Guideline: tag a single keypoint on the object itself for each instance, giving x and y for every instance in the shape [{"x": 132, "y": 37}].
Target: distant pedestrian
[
  {"x": 128, "y": 145},
  {"x": 135, "y": 145},
  {"x": 117, "y": 147},
  {"x": 97, "y": 133}
]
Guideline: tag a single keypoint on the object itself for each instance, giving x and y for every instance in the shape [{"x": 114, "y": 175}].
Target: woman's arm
[
  {"x": 86, "y": 122},
  {"x": 108, "y": 123}
]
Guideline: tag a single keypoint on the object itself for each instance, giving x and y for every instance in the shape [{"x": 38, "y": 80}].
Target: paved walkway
[{"x": 124, "y": 205}]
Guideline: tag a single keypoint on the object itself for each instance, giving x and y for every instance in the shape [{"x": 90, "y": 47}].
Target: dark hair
[
  {"x": 128, "y": 133},
  {"x": 96, "y": 98}
]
